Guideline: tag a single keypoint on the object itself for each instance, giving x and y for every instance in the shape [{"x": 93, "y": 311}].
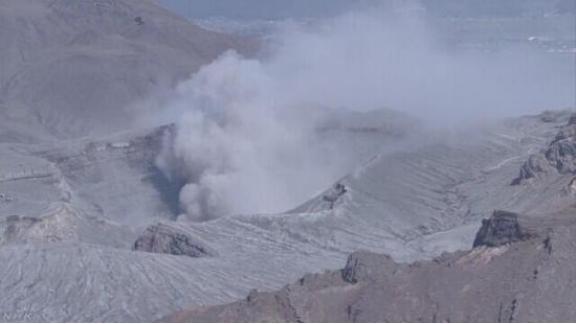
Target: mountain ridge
[
  {"x": 516, "y": 279},
  {"x": 73, "y": 68}
]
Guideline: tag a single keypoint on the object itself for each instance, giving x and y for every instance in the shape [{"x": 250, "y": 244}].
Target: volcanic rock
[
  {"x": 502, "y": 228},
  {"x": 162, "y": 238}
]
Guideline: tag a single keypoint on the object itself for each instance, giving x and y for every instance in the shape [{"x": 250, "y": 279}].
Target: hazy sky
[{"x": 261, "y": 9}]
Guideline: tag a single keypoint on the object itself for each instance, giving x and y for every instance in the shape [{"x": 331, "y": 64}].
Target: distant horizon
[
  {"x": 282, "y": 9},
  {"x": 260, "y": 9}
]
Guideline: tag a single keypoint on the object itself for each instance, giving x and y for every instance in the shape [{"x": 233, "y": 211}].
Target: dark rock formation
[
  {"x": 364, "y": 266},
  {"x": 502, "y": 228},
  {"x": 162, "y": 238}
]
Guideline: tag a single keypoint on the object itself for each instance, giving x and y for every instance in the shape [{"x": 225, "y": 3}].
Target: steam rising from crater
[{"x": 247, "y": 130}]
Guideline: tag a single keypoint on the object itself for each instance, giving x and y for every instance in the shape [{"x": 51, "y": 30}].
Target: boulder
[
  {"x": 500, "y": 229},
  {"x": 162, "y": 238},
  {"x": 334, "y": 194},
  {"x": 368, "y": 266}
]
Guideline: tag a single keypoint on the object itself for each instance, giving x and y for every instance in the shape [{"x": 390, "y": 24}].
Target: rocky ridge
[
  {"x": 506, "y": 277},
  {"x": 558, "y": 158}
]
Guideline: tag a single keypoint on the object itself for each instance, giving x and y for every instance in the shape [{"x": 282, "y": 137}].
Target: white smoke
[
  {"x": 246, "y": 139},
  {"x": 240, "y": 148}
]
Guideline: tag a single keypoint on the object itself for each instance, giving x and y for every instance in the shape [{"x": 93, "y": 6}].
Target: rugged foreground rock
[{"x": 521, "y": 269}]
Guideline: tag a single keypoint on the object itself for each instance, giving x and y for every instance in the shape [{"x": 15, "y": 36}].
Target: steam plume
[{"x": 247, "y": 140}]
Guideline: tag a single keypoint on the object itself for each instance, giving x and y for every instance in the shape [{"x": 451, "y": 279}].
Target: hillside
[{"x": 73, "y": 68}]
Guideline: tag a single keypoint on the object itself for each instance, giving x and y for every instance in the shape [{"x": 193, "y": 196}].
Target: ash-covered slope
[
  {"x": 412, "y": 203},
  {"x": 72, "y": 67},
  {"x": 519, "y": 275},
  {"x": 113, "y": 177},
  {"x": 79, "y": 209},
  {"x": 409, "y": 215},
  {"x": 429, "y": 198}
]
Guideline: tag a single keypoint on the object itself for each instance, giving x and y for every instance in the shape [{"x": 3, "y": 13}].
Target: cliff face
[
  {"x": 507, "y": 277},
  {"x": 502, "y": 228},
  {"x": 559, "y": 157}
]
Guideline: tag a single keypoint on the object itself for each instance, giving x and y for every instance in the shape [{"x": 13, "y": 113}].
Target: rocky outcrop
[
  {"x": 334, "y": 194},
  {"x": 502, "y": 228},
  {"x": 559, "y": 156},
  {"x": 562, "y": 151},
  {"x": 535, "y": 165},
  {"x": 162, "y": 238}
]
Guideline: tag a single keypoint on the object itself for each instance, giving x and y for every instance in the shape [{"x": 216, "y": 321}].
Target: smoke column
[{"x": 246, "y": 139}]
